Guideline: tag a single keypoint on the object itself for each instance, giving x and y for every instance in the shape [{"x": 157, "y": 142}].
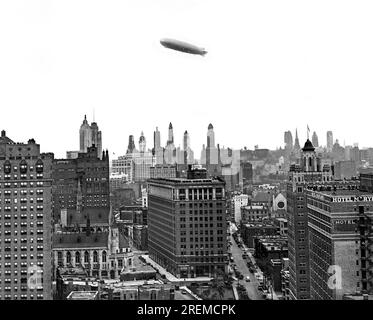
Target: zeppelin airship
[{"x": 182, "y": 46}]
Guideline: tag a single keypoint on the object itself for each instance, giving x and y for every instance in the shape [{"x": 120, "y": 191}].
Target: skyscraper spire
[{"x": 296, "y": 142}]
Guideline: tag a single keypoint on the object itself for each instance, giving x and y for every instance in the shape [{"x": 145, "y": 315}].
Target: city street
[{"x": 252, "y": 286}]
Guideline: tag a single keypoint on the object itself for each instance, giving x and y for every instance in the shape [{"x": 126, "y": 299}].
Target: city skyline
[
  {"x": 59, "y": 64},
  {"x": 178, "y": 141}
]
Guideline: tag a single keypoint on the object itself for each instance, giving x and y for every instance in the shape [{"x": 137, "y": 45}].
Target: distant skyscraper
[
  {"x": 158, "y": 150},
  {"x": 188, "y": 153},
  {"x": 170, "y": 134},
  {"x": 170, "y": 150},
  {"x": 142, "y": 143},
  {"x": 210, "y": 137},
  {"x": 157, "y": 139},
  {"x": 329, "y": 140},
  {"x": 288, "y": 140},
  {"x": 131, "y": 145},
  {"x": 315, "y": 140},
  {"x": 90, "y": 135},
  {"x": 296, "y": 143}
]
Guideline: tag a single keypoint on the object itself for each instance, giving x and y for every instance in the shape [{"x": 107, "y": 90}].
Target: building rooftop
[
  {"x": 82, "y": 295},
  {"x": 139, "y": 266},
  {"x": 175, "y": 181},
  {"x": 97, "y": 216},
  {"x": 80, "y": 240},
  {"x": 262, "y": 197},
  {"x": 260, "y": 224},
  {"x": 4, "y": 139},
  {"x": 72, "y": 272},
  {"x": 358, "y": 296}
]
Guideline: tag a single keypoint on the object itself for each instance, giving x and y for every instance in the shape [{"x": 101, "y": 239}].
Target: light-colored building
[
  {"x": 239, "y": 201},
  {"x": 90, "y": 135}
]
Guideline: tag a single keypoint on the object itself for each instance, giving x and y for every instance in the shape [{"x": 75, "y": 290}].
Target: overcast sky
[{"x": 271, "y": 66}]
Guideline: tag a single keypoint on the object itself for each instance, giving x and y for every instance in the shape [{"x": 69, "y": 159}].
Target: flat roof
[
  {"x": 82, "y": 295},
  {"x": 185, "y": 181}
]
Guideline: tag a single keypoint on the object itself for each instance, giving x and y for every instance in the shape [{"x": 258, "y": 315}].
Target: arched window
[
  {"x": 68, "y": 257},
  {"x": 23, "y": 167},
  {"x": 95, "y": 256},
  {"x": 310, "y": 162},
  {"x": 7, "y": 167},
  {"x": 304, "y": 161},
  {"x": 104, "y": 256},
  {"x": 39, "y": 166},
  {"x": 77, "y": 257},
  {"x": 86, "y": 257}
]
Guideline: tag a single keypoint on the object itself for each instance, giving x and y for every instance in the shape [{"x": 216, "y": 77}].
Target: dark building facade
[
  {"x": 25, "y": 221},
  {"x": 187, "y": 225},
  {"x": 84, "y": 181}
]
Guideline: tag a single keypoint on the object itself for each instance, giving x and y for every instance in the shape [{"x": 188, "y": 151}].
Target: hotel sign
[
  {"x": 344, "y": 225},
  {"x": 352, "y": 199}
]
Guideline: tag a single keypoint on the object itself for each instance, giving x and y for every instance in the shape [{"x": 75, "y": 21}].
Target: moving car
[{"x": 247, "y": 279}]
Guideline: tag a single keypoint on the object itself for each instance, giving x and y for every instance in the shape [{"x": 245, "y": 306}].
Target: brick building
[{"x": 25, "y": 220}]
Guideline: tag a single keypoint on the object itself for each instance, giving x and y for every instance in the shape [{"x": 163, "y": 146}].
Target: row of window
[
  {"x": 23, "y": 192},
  {"x": 22, "y": 184}
]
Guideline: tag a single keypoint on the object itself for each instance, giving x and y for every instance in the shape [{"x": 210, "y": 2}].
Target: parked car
[
  {"x": 183, "y": 291},
  {"x": 247, "y": 279}
]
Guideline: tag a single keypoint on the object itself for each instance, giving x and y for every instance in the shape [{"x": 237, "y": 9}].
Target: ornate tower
[
  {"x": 142, "y": 143},
  {"x": 85, "y": 137}
]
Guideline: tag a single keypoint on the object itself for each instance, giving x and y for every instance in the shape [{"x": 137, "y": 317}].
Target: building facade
[
  {"x": 187, "y": 225},
  {"x": 25, "y": 221},
  {"x": 84, "y": 180},
  {"x": 307, "y": 172},
  {"x": 339, "y": 222}
]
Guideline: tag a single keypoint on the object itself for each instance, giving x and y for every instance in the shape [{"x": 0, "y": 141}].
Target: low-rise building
[
  {"x": 254, "y": 213},
  {"x": 254, "y": 229}
]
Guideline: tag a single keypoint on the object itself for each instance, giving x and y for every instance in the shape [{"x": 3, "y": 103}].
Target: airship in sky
[{"x": 182, "y": 46}]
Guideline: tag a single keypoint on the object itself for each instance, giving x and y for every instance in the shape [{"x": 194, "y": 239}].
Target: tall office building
[
  {"x": 307, "y": 172},
  {"x": 288, "y": 140},
  {"x": 26, "y": 221},
  {"x": 315, "y": 140},
  {"x": 131, "y": 145},
  {"x": 213, "y": 160},
  {"x": 340, "y": 239},
  {"x": 188, "y": 155},
  {"x": 329, "y": 141},
  {"x": 187, "y": 224},
  {"x": 90, "y": 135},
  {"x": 170, "y": 150},
  {"x": 142, "y": 161},
  {"x": 158, "y": 150}
]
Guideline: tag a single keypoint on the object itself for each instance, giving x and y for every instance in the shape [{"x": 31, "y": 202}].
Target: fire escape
[{"x": 365, "y": 229}]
